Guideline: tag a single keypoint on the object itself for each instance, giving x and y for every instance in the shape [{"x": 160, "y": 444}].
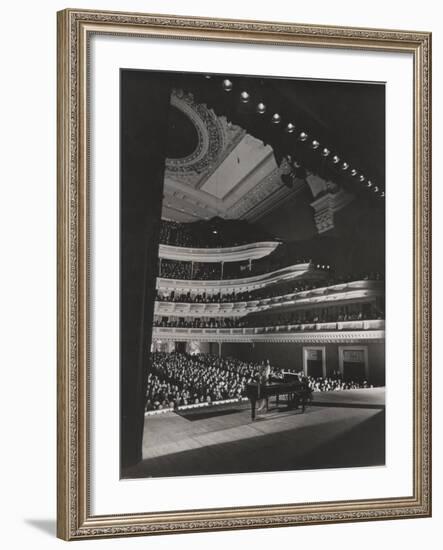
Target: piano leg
[{"x": 253, "y": 404}]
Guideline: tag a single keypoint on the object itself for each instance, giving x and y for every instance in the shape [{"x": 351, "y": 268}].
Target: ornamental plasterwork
[
  {"x": 216, "y": 139},
  {"x": 218, "y": 335},
  {"x": 324, "y": 220},
  {"x": 259, "y": 193},
  {"x": 326, "y": 206},
  {"x": 267, "y": 194}
]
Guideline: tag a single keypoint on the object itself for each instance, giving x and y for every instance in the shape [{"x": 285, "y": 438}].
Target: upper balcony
[
  {"x": 244, "y": 252},
  {"x": 243, "y": 284},
  {"x": 335, "y": 295}
]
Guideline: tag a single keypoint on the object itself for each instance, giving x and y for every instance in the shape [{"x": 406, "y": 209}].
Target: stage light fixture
[
  {"x": 227, "y": 85},
  {"x": 261, "y": 108}
]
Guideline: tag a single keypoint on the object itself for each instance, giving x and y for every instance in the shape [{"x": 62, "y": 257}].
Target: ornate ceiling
[{"x": 216, "y": 168}]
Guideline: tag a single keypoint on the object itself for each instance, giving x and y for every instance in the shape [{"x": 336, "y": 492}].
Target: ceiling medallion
[{"x": 214, "y": 136}]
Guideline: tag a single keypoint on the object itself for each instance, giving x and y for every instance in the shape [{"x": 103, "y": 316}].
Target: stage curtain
[{"x": 144, "y": 108}]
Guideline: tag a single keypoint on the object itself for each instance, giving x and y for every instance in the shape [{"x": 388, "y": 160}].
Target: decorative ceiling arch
[
  {"x": 229, "y": 173},
  {"x": 216, "y": 139}
]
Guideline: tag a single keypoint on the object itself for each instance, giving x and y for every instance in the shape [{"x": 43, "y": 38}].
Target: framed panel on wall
[{"x": 243, "y": 274}]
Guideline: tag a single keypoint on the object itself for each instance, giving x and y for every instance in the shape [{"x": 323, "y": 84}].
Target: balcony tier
[
  {"x": 336, "y": 295},
  {"x": 244, "y": 252},
  {"x": 239, "y": 285},
  {"x": 339, "y": 332}
]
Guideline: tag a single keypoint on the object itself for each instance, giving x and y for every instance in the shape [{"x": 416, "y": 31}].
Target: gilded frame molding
[{"x": 74, "y": 519}]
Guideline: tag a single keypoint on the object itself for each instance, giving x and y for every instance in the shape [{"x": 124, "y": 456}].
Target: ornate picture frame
[{"x": 76, "y": 520}]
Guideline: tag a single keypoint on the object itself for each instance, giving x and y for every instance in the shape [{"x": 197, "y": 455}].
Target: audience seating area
[
  {"x": 354, "y": 312},
  {"x": 178, "y": 379},
  {"x": 334, "y": 314},
  {"x": 177, "y": 269},
  {"x": 271, "y": 291},
  {"x": 215, "y": 233}
]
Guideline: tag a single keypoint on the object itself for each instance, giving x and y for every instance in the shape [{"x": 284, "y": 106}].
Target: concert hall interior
[{"x": 252, "y": 328}]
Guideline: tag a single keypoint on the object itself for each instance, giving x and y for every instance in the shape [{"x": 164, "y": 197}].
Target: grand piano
[{"x": 296, "y": 390}]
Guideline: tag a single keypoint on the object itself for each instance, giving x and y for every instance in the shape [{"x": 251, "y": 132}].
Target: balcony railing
[
  {"x": 336, "y": 331},
  {"x": 336, "y": 295},
  {"x": 241, "y": 284},
  {"x": 244, "y": 252}
]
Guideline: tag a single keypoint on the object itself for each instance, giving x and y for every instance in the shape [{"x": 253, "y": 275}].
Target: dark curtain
[{"x": 144, "y": 107}]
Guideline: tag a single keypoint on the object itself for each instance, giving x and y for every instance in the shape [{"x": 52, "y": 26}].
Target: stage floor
[{"x": 340, "y": 429}]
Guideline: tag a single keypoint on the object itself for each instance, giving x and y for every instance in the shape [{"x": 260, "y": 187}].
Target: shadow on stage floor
[
  {"x": 348, "y": 405},
  {"x": 327, "y": 435},
  {"x": 198, "y": 414}
]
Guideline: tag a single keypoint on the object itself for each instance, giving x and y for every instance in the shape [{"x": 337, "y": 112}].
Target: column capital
[{"x": 326, "y": 206}]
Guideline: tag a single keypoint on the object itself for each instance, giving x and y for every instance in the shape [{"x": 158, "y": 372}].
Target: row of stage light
[{"x": 303, "y": 136}]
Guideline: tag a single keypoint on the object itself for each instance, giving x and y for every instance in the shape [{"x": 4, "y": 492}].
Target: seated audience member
[{"x": 178, "y": 379}]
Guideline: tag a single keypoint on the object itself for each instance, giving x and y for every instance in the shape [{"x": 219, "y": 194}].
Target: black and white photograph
[
  {"x": 252, "y": 233},
  {"x": 218, "y": 223}
]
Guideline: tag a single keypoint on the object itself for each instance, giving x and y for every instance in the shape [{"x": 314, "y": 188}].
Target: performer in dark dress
[{"x": 262, "y": 379}]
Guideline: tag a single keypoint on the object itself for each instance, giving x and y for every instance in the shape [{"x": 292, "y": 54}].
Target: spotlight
[
  {"x": 261, "y": 108},
  {"x": 303, "y": 136},
  {"x": 382, "y": 194},
  {"x": 244, "y": 97},
  {"x": 353, "y": 172},
  {"x": 208, "y": 76},
  {"x": 335, "y": 159},
  {"x": 276, "y": 118},
  {"x": 227, "y": 85},
  {"x": 362, "y": 178},
  {"x": 375, "y": 189},
  {"x": 290, "y": 128},
  {"x": 369, "y": 184},
  {"x": 345, "y": 166},
  {"x": 326, "y": 152},
  {"x": 315, "y": 144}
]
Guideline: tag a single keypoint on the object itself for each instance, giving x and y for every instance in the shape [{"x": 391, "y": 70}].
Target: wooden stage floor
[{"x": 339, "y": 430}]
